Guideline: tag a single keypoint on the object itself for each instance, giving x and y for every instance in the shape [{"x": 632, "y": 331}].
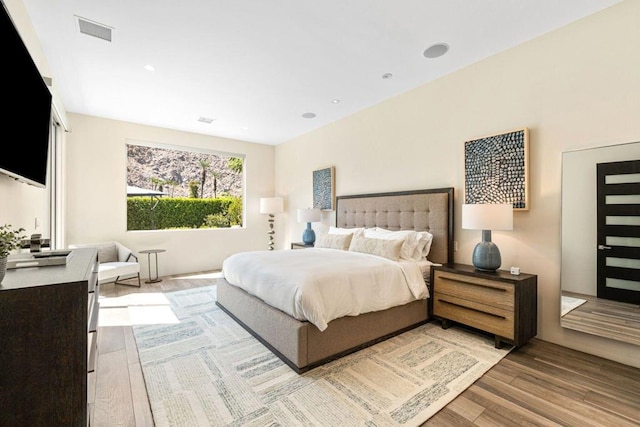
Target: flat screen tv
[{"x": 27, "y": 102}]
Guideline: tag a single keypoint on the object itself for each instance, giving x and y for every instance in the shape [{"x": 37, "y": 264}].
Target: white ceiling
[{"x": 256, "y": 66}]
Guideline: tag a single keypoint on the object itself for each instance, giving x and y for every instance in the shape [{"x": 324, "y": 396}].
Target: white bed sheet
[
  {"x": 320, "y": 285},
  {"x": 425, "y": 266}
]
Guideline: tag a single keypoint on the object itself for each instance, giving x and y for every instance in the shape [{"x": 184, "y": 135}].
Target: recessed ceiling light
[
  {"x": 335, "y": 101},
  {"x": 309, "y": 115},
  {"x": 436, "y": 50},
  {"x": 149, "y": 67},
  {"x": 387, "y": 75},
  {"x": 205, "y": 119}
]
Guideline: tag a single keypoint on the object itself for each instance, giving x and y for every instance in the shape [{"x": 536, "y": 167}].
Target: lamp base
[
  {"x": 486, "y": 256},
  {"x": 270, "y": 233},
  {"x": 308, "y": 236}
]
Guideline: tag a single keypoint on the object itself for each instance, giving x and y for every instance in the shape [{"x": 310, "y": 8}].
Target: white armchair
[{"x": 115, "y": 260}]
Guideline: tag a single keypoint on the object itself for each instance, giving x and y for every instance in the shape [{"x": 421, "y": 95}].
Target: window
[{"x": 183, "y": 188}]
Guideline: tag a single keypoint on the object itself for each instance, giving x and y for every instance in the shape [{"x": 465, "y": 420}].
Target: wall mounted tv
[{"x": 27, "y": 102}]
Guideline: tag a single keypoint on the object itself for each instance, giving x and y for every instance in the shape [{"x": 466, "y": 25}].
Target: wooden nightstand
[
  {"x": 496, "y": 302},
  {"x": 300, "y": 245}
]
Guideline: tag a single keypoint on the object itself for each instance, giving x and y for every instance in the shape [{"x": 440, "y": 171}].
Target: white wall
[
  {"x": 96, "y": 194},
  {"x": 22, "y": 204},
  {"x": 573, "y": 88}
]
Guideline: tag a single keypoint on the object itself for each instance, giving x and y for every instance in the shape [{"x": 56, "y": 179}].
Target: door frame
[{"x": 604, "y": 230}]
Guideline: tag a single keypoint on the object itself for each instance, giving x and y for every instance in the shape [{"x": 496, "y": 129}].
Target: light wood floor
[
  {"x": 538, "y": 384},
  {"x": 610, "y": 319}
]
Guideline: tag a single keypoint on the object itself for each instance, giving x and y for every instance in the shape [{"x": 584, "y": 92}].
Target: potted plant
[{"x": 10, "y": 239}]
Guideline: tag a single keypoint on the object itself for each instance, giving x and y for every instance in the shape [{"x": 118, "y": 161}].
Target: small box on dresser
[
  {"x": 499, "y": 302},
  {"x": 48, "y": 324}
]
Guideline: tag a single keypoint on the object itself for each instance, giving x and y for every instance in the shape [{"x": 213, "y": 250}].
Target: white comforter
[{"x": 319, "y": 285}]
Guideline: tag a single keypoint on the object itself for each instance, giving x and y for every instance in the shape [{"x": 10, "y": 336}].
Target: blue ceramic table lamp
[
  {"x": 487, "y": 217},
  {"x": 309, "y": 216}
]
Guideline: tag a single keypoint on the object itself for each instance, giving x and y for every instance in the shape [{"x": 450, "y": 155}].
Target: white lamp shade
[
  {"x": 487, "y": 216},
  {"x": 271, "y": 205},
  {"x": 309, "y": 215}
]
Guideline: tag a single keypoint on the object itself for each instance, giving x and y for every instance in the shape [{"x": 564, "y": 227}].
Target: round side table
[{"x": 155, "y": 253}]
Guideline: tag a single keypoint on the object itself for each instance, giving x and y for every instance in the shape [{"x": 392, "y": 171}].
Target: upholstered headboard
[{"x": 421, "y": 210}]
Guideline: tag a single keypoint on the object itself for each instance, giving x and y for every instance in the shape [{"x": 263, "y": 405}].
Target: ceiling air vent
[{"x": 94, "y": 29}]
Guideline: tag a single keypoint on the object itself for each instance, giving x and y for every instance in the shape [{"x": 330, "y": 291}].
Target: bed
[{"x": 300, "y": 343}]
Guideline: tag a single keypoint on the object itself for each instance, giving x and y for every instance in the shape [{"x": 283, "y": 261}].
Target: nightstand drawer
[
  {"x": 487, "y": 292},
  {"x": 478, "y": 315}
]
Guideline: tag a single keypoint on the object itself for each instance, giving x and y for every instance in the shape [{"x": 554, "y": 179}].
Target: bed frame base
[
  {"x": 300, "y": 344},
  {"x": 304, "y": 369}
]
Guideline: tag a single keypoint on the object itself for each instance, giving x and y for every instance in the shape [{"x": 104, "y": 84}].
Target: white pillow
[
  {"x": 333, "y": 241},
  {"x": 357, "y": 231},
  {"x": 408, "y": 237},
  {"x": 424, "y": 245},
  {"x": 381, "y": 247}
]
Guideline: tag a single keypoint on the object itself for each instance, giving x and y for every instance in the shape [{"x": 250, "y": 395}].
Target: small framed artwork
[
  {"x": 496, "y": 169},
  {"x": 324, "y": 188}
]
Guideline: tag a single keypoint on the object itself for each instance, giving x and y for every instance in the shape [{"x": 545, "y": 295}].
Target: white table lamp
[{"x": 487, "y": 217}]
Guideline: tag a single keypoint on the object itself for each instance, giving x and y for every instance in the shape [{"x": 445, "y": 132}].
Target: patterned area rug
[{"x": 208, "y": 371}]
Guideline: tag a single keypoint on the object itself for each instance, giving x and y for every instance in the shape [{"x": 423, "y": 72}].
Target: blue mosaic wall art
[
  {"x": 324, "y": 188},
  {"x": 496, "y": 169}
]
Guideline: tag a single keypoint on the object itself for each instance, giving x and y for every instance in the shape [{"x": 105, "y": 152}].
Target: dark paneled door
[{"x": 619, "y": 231}]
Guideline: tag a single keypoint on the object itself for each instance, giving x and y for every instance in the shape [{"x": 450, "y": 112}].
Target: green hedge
[{"x": 180, "y": 212}]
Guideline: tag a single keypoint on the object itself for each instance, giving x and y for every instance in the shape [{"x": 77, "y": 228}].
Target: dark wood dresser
[{"x": 48, "y": 334}]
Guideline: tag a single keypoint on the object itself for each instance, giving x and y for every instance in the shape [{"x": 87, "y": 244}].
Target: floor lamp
[{"x": 271, "y": 206}]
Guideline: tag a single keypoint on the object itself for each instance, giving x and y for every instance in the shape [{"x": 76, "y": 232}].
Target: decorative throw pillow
[
  {"x": 333, "y": 241},
  {"x": 107, "y": 254},
  {"x": 409, "y": 238},
  {"x": 381, "y": 247}
]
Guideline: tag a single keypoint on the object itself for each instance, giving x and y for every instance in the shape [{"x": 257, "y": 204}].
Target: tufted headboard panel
[{"x": 421, "y": 210}]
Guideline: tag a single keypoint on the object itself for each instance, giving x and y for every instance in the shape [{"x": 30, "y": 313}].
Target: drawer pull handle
[
  {"x": 473, "y": 283},
  {"x": 471, "y": 308}
]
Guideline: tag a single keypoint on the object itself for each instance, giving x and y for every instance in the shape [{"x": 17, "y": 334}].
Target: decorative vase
[
  {"x": 3, "y": 267},
  {"x": 308, "y": 236}
]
